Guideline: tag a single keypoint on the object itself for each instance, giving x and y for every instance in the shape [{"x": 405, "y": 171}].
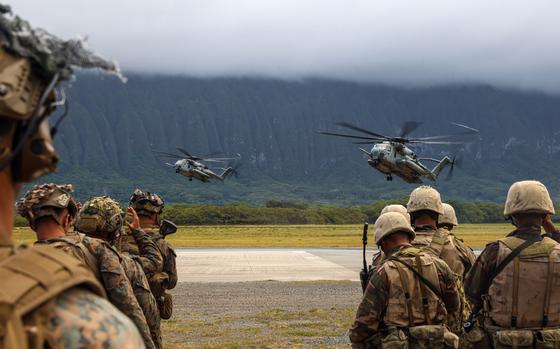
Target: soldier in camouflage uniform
[
  {"x": 102, "y": 218},
  {"x": 378, "y": 256},
  {"x": 49, "y": 299},
  {"x": 50, "y": 211},
  {"x": 409, "y": 295},
  {"x": 512, "y": 284},
  {"x": 150, "y": 208}
]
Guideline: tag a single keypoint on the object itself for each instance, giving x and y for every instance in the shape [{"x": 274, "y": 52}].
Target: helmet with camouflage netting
[
  {"x": 448, "y": 217},
  {"x": 396, "y": 208},
  {"x": 392, "y": 222},
  {"x": 47, "y": 200},
  {"x": 32, "y": 63},
  {"x": 528, "y": 197},
  {"x": 146, "y": 203},
  {"x": 425, "y": 198},
  {"x": 101, "y": 215}
]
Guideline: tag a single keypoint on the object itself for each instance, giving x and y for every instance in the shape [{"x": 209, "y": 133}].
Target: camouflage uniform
[
  {"x": 102, "y": 215},
  {"x": 399, "y": 307},
  {"x": 135, "y": 266},
  {"x": 370, "y": 315},
  {"x": 164, "y": 278},
  {"x": 518, "y": 307}
]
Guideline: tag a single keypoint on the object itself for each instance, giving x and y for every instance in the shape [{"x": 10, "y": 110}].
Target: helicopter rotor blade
[
  {"x": 350, "y": 136},
  {"x": 185, "y": 152},
  {"x": 468, "y": 128},
  {"x": 362, "y": 130},
  {"x": 408, "y": 127},
  {"x": 436, "y": 142},
  {"x": 164, "y": 154}
]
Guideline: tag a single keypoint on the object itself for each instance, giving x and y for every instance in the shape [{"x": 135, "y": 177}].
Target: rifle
[
  {"x": 364, "y": 273},
  {"x": 167, "y": 228}
]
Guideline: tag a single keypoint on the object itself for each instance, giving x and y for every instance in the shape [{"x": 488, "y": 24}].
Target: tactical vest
[
  {"x": 439, "y": 244},
  {"x": 410, "y": 302},
  {"x": 525, "y": 294},
  {"x": 32, "y": 277}
]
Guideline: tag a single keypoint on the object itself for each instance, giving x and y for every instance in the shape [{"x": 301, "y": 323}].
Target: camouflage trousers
[{"x": 150, "y": 308}]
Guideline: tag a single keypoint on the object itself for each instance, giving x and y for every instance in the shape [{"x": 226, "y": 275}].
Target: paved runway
[
  {"x": 257, "y": 264},
  {"x": 234, "y": 265}
]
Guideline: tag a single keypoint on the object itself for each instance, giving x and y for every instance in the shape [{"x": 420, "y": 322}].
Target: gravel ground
[{"x": 267, "y": 314}]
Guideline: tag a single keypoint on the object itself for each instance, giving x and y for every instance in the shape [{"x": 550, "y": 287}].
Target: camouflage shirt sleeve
[
  {"x": 448, "y": 286},
  {"x": 149, "y": 255},
  {"x": 478, "y": 275},
  {"x": 372, "y": 308},
  {"x": 118, "y": 287},
  {"x": 467, "y": 255},
  {"x": 79, "y": 319}
]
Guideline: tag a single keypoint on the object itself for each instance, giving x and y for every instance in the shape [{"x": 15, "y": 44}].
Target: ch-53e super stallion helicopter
[
  {"x": 192, "y": 166},
  {"x": 391, "y": 156}
]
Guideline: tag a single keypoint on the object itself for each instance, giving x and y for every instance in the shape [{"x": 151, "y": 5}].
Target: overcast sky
[{"x": 405, "y": 42}]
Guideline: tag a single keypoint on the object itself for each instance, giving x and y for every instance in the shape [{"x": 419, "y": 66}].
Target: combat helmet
[
  {"x": 146, "y": 203},
  {"x": 424, "y": 198},
  {"x": 396, "y": 208},
  {"x": 46, "y": 200},
  {"x": 528, "y": 197},
  {"x": 101, "y": 215},
  {"x": 32, "y": 63},
  {"x": 448, "y": 217},
  {"x": 392, "y": 222}
]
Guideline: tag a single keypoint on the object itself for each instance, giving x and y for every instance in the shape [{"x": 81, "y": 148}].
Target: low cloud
[{"x": 502, "y": 43}]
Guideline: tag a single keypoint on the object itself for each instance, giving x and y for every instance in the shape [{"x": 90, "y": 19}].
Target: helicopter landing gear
[
  {"x": 190, "y": 179},
  {"x": 390, "y": 178}
]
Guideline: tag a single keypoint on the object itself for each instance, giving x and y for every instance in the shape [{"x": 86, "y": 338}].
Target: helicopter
[
  {"x": 192, "y": 166},
  {"x": 391, "y": 155}
]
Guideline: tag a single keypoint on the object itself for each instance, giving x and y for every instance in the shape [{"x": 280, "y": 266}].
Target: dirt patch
[{"x": 267, "y": 314}]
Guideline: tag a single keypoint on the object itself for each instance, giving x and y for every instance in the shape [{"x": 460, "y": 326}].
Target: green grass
[
  {"x": 271, "y": 328},
  {"x": 475, "y": 235}
]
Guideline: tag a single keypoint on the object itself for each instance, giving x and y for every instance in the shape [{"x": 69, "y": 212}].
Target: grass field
[{"x": 475, "y": 235}]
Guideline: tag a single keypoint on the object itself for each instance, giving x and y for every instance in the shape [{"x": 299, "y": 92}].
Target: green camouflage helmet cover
[
  {"x": 46, "y": 200},
  {"x": 146, "y": 203},
  {"x": 100, "y": 215}
]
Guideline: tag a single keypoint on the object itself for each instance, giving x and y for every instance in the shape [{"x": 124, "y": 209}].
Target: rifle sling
[
  {"x": 514, "y": 253},
  {"x": 425, "y": 281}
]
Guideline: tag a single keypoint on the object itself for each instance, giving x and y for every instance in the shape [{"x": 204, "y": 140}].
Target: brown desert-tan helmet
[
  {"x": 100, "y": 215},
  {"x": 528, "y": 197},
  {"x": 396, "y": 208},
  {"x": 146, "y": 203},
  {"x": 392, "y": 222},
  {"x": 424, "y": 198},
  {"x": 46, "y": 200},
  {"x": 448, "y": 216}
]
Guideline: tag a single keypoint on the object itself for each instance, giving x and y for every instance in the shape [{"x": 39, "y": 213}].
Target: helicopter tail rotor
[{"x": 456, "y": 161}]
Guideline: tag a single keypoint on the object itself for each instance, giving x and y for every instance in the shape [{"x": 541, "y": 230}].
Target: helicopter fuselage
[
  {"x": 393, "y": 158},
  {"x": 197, "y": 170}
]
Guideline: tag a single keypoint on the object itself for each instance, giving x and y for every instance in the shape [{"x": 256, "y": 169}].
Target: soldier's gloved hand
[{"x": 135, "y": 221}]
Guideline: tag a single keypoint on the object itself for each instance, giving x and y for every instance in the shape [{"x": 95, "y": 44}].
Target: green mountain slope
[{"x": 105, "y": 143}]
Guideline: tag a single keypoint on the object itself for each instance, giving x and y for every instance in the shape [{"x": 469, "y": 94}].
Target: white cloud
[{"x": 505, "y": 43}]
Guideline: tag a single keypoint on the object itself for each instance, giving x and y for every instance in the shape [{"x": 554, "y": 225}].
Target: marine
[
  {"x": 49, "y": 299},
  {"x": 512, "y": 285},
  {"x": 409, "y": 295},
  {"x": 150, "y": 209},
  {"x": 425, "y": 209},
  {"x": 102, "y": 219},
  {"x": 51, "y": 211}
]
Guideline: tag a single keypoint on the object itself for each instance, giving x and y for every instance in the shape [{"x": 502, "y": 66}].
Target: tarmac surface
[{"x": 262, "y": 264}]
